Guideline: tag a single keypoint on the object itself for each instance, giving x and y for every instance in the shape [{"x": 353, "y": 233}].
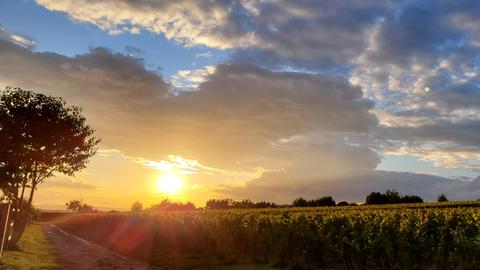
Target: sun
[{"x": 169, "y": 183}]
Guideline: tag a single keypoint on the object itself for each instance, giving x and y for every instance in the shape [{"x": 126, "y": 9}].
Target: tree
[
  {"x": 375, "y": 198},
  {"x": 264, "y": 204},
  {"x": 442, "y": 198},
  {"x": 300, "y": 202},
  {"x": 343, "y": 203},
  {"x": 136, "y": 207},
  {"x": 218, "y": 203},
  {"x": 39, "y": 136},
  {"x": 77, "y": 206},
  {"x": 391, "y": 197},
  {"x": 412, "y": 199},
  {"x": 74, "y": 205},
  {"x": 167, "y": 205},
  {"x": 324, "y": 201}
]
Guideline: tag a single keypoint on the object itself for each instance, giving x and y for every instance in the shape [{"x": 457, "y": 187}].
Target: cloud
[
  {"x": 327, "y": 33},
  {"x": 63, "y": 182},
  {"x": 238, "y": 113},
  {"x": 212, "y": 23},
  {"x": 188, "y": 80},
  {"x": 18, "y": 39},
  {"x": 277, "y": 186},
  {"x": 301, "y": 125},
  {"x": 109, "y": 86}
]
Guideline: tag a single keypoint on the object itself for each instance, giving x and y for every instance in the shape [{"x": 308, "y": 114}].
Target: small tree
[
  {"x": 74, "y": 205},
  {"x": 375, "y": 198},
  {"x": 39, "y": 136},
  {"x": 136, "y": 207},
  {"x": 78, "y": 206},
  {"x": 442, "y": 198},
  {"x": 343, "y": 203},
  {"x": 323, "y": 201}
]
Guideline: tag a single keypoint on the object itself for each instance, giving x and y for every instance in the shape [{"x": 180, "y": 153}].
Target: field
[
  {"x": 423, "y": 236},
  {"x": 34, "y": 252}
]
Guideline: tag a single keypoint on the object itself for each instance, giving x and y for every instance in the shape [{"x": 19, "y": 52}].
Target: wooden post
[{"x": 5, "y": 229}]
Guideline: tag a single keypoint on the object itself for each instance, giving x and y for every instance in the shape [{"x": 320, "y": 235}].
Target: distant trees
[
  {"x": 391, "y": 197},
  {"x": 323, "y": 201},
  {"x": 167, "y": 205},
  {"x": 218, "y": 203},
  {"x": 241, "y": 204},
  {"x": 136, "y": 207},
  {"x": 442, "y": 198},
  {"x": 343, "y": 203},
  {"x": 77, "y": 206},
  {"x": 39, "y": 136}
]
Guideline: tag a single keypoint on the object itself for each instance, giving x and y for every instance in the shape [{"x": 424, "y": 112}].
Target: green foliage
[
  {"x": 167, "y": 205},
  {"x": 39, "y": 136},
  {"x": 136, "y": 207},
  {"x": 391, "y": 197},
  {"x": 78, "y": 206},
  {"x": 442, "y": 198},
  {"x": 323, "y": 201},
  {"x": 410, "y": 236},
  {"x": 241, "y": 204}
]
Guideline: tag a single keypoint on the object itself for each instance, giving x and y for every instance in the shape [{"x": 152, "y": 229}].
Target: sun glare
[{"x": 169, "y": 183}]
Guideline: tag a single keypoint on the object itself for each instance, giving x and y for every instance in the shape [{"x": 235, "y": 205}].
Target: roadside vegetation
[{"x": 33, "y": 252}]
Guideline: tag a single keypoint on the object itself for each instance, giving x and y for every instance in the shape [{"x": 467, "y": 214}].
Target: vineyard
[{"x": 435, "y": 236}]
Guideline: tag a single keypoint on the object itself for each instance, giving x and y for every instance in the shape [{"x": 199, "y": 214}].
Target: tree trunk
[
  {"x": 20, "y": 219},
  {"x": 20, "y": 206},
  {"x": 30, "y": 199}
]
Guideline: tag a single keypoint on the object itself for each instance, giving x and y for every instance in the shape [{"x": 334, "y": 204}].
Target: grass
[{"x": 34, "y": 252}]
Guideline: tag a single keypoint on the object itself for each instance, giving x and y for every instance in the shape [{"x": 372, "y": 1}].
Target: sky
[{"x": 260, "y": 99}]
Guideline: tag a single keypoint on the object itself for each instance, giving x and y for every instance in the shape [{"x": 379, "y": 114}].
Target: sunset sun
[{"x": 169, "y": 183}]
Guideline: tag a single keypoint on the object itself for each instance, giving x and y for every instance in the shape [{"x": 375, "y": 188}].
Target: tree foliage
[
  {"x": 167, "y": 205},
  {"x": 442, "y": 198},
  {"x": 391, "y": 197},
  {"x": 136, "y": 207},
  {"x": 78, "y": 206},
  {"x": 40, "y": 136},
  {"x": 323, "y": 201},
  {"x": 241, "y": 204}
]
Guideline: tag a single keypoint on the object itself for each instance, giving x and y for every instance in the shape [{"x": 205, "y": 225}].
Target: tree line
[{"x": 374, "y": 198}]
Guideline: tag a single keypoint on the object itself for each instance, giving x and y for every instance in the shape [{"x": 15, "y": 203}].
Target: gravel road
[{"x": 78, "y": 254}]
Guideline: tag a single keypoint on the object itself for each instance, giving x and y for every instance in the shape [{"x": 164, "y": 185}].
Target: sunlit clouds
[{"x": 308, "y": 97}]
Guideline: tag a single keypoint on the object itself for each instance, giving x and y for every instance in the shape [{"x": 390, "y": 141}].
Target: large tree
[{"x": 40, "y": 136}]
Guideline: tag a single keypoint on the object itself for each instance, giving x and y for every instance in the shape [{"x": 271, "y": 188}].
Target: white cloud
[
  {"x": 16, "y": 38},
  {"x": 188, "y": 80}
]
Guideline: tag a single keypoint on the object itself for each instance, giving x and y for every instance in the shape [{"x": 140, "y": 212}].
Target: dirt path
[{"x": 78, "y": 254}]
